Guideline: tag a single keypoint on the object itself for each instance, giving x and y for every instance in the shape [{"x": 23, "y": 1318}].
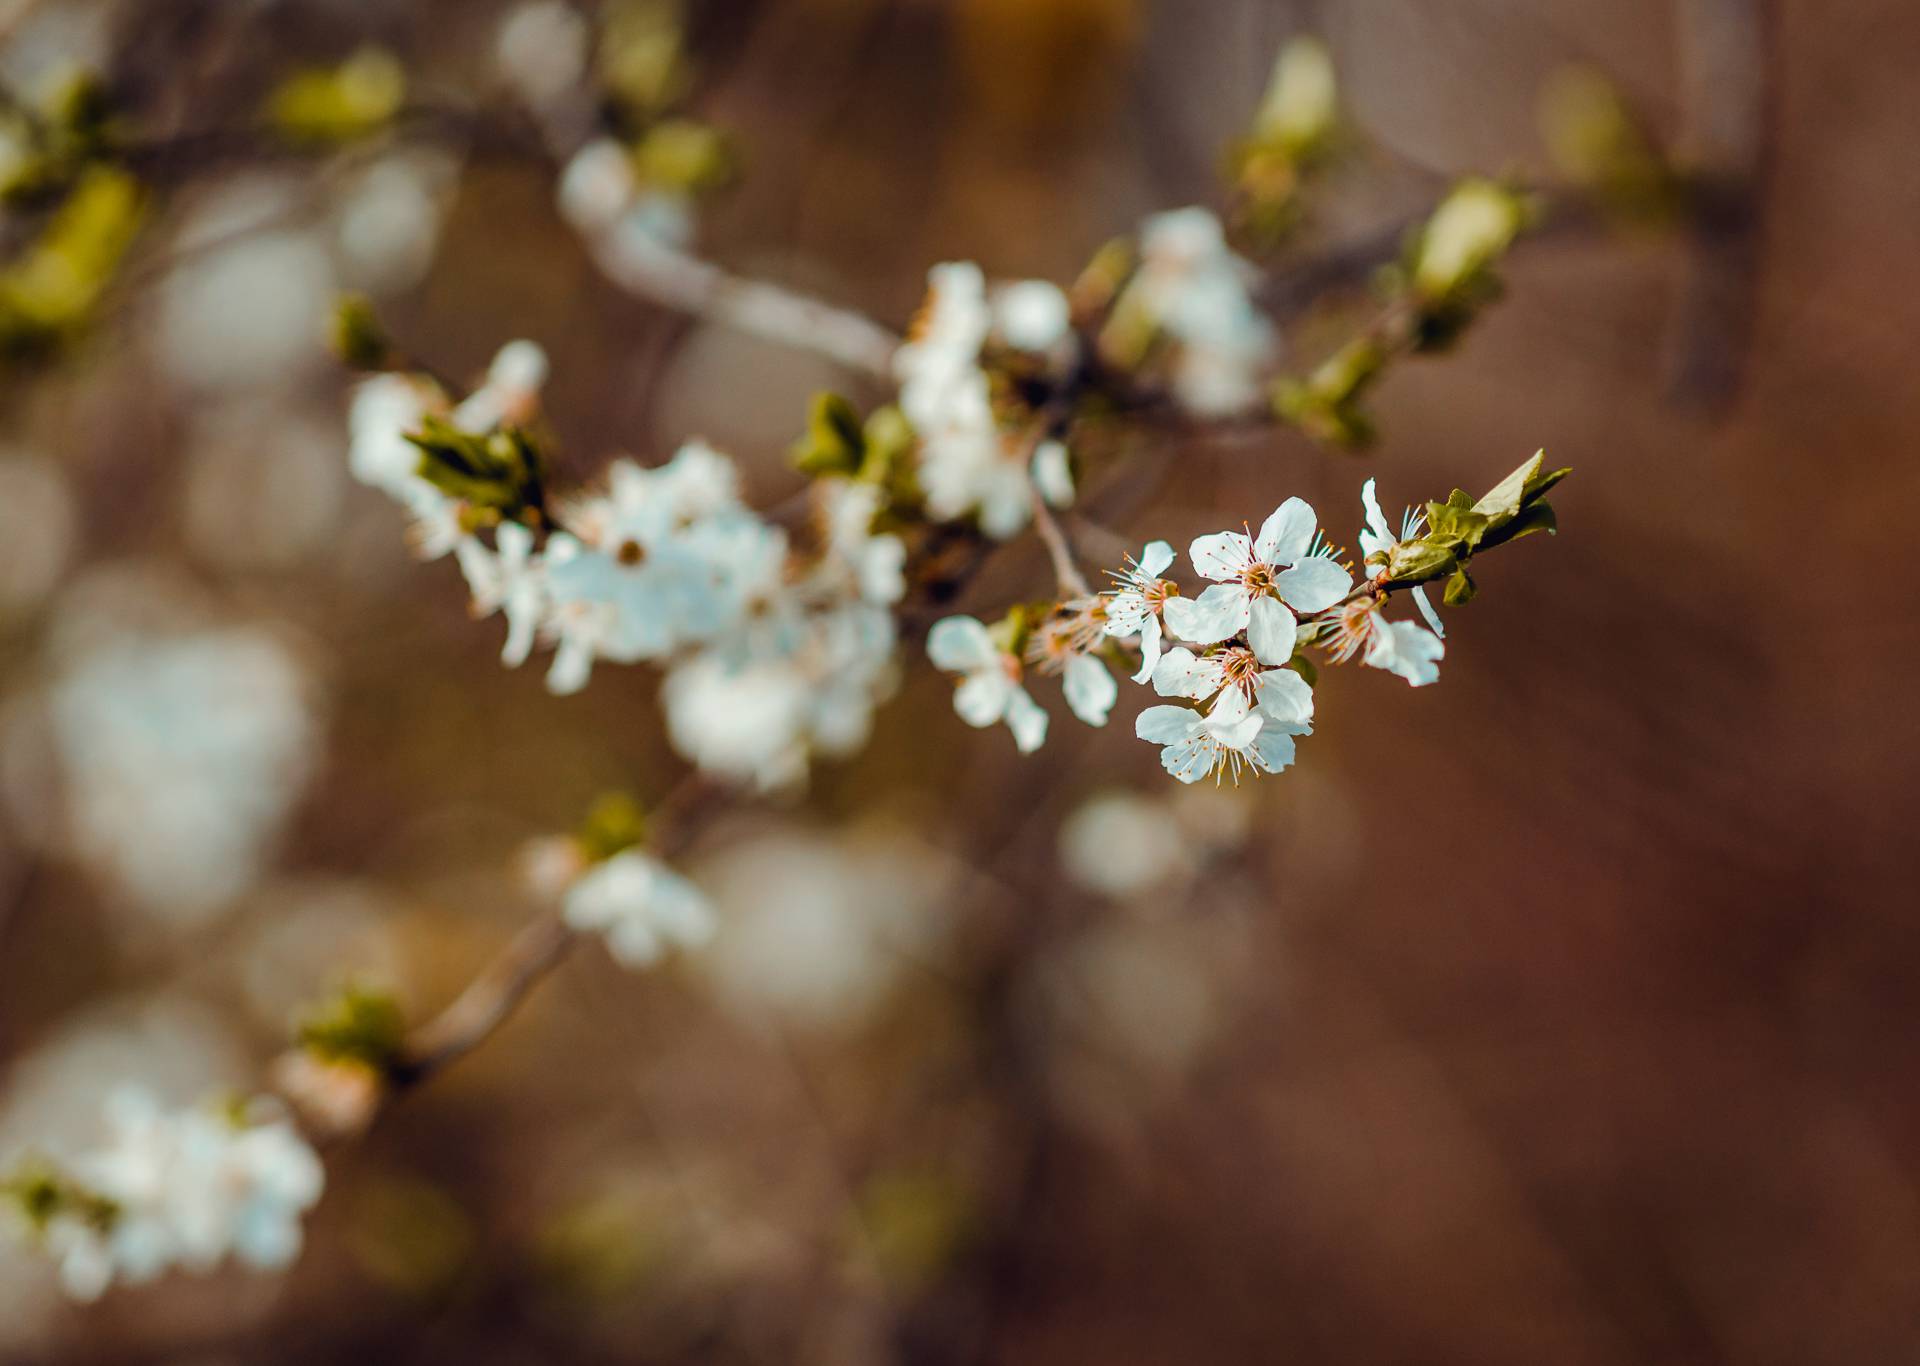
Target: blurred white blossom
[
  {"x": 851, "y": 916},
  {"x": 640, "y": 906},
  {"x": 180, "y": 756},
  {"x": 541, "y": 50},
  {"x": 1197, "y": 291},
  {"x": 990, "y": 689},
  {"x": 183, "y": 1190}
]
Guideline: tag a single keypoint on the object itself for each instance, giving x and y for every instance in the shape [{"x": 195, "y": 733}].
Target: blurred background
[{"x": 1559, "y": 1013}]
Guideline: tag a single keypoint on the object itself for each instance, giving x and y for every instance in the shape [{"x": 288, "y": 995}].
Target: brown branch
[
  {"x": 1067, "y": 576},
  {"x": 486, "y": 1004}
]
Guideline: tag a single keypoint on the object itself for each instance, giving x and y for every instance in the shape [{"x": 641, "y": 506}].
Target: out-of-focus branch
[
  {"x": 486, "y": 1004},
  {"x": 677, "y": 279},
  {"x": 1066, "y": 573}
]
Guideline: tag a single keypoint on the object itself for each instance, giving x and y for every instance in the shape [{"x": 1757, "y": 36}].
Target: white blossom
[
  {"x": 990, "y": 689},
  {"x": 184, "y": 1189},
  {"x": 1133, "y": 609},
  {"x": 1090, "y": 689},
  {"x": 541, "y": 50},
  {"x": 967, "y": 464},
  {"x": 642, "y": 908},
  {"x": 1053, "y": 473},
  {"x": 1032, "y": 315},
  {"x": 1280, "y": 694},
  {"x": 182, "y": 756},
  {"x": 511, "y": 390},
  {"x": 510, "y": 579},
  {"x": 1401, "y": 647},
  {"x": 1219, "y": 741},
  {"x": 1256, "y": 581},
  {"x": 1377, "y": 544},
  {"x": 1196, "y": 291},
  {"x": 873, "y": 563}
]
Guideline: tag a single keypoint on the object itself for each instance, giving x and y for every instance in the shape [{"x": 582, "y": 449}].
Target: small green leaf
[
  {"x": 1455, "y": 522},
  {"x": 358, "y": 1025},
  {"x": 1503, "y": 501},
  {"x": 498, "y": 473},
  {"x": 358, "y": 338},
  {"x": 1460, "y": 589},
  {"x": 834, "y": 443},
  {"x": 614, "y": 824},
  {"x": 339, "y": 104},
  {"x": 684, "y": 155}
]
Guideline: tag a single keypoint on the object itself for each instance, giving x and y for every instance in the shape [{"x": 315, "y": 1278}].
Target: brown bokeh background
[{"x": 1565, "y": 1010}]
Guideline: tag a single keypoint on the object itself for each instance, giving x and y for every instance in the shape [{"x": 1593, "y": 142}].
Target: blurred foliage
[{"x": 329, "y": 105}]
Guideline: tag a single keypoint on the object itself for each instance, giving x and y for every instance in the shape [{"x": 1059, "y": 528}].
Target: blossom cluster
[
  {"x": 771, "y": 654},
  {"x": 169, "y": 1189},
  {"x": 974, "y": 458},
  {"x": 1239, "y": 696},
  {"x": 1190, "y": 307}
]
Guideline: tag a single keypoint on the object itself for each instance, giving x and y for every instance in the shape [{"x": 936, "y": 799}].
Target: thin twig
[
  {"x": 666, "y": 275},
  {"x": 1066, "y": 573},
  {"x": 488, "y": 1001}
]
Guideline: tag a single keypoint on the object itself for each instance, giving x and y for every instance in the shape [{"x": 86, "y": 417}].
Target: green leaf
[
  {"x": 1503, "y": 501},
  {"x": 1455, "y": 522},
  {"x": 342, "y": 103},
  {"x": 614, "y": 824},
  {"x": 497, "y": 472},
  {"x": 1535, "y": 517},
  {"x": 1460, "y": 589},
  {"x": 358, "y": 338},
  {"x": 359, "y": 1025},
  {"x": 684, "y": 155},
  {"x": 53, "y": 287},
  {"x": 834, "y": 443}
]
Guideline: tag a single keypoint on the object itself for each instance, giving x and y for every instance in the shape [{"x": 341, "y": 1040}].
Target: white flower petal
[
  {"x": 1181, "y": 673},
  {"x": 1285, "y": 698},
  {"x": 1149, "y": 648},
  {"x": 1189, "y": 759},
  {"x": 1376, "y": 520},
  {"x": 1402, "y": 648},
  {"x": 1272, "y": 749},
  {"x": 961, "y": 645},
  {"x": 1155, "y": 559},
  {"x": 984, "y": 697},
  {"x": 1026, "y": 720},
  {"x": 1052, "y": 474},
  {"x": 1432, "y": 617},
  {"x": 1271, "y": 630},
  {"x": 1285, "y": 536},
  {"x": 1233, "y": 707},
  {"x": 1221, "y": 556},
  {"x": 1166, "y": 725},
  {"x": 1090, "y": 689},
  {"x": 1313, "y": 585},
  {"x": 1216, "y": 615}
]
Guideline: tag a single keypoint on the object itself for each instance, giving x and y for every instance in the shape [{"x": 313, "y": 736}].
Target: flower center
[
  {"x": 629, "y": 552},
  {"x": 1239, "y": 666},
  {"x": 1258, "y": 577},
  {"x": 1158, "y": 591}
]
